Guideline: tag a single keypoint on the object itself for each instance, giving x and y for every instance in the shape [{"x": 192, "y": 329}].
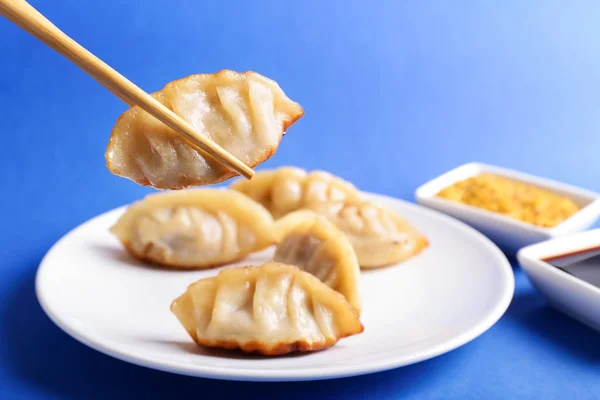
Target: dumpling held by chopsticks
[{"x": 246, "y": 113}]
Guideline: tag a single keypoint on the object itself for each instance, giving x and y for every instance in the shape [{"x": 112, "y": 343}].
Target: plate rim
[{"x": 236, "y": 374}]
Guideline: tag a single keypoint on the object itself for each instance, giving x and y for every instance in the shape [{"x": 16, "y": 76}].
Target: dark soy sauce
[{"x": 583, "y": 264}]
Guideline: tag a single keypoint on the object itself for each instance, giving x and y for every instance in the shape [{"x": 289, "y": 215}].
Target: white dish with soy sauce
[{"x": 566, "y": 271}]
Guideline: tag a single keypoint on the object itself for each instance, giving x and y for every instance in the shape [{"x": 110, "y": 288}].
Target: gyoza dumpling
[
  {"x": 196, "y": 228},
  {"x": 272, "y": 309},
  {"x": 315, "y": 245},
  {"x": 379, "y": 236},
  {"x": 288, "y": 189},
  {"x": 245, "y": 113}
]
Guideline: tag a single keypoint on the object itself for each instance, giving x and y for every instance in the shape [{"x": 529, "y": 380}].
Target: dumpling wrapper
[
  {"x": 288, "y": 189},
  {"x": 313, "y": 244},
  {"x": 195, "y": 228},
  {"x": 246, "y": 113},
  {"x": 380, "y": 237},
  {"x": 272, "y": 309}
]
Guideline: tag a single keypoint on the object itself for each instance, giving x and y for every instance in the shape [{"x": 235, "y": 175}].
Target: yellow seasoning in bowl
[{"x": 514, "y": 199}]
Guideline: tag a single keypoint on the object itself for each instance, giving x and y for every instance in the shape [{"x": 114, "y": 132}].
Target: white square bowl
[
  {"x": 573, "y": 296},
  {"x": 509, "y": 234}
]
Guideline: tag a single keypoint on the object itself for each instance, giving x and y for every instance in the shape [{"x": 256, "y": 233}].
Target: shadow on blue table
[
  {"x": 40, "y": 355},
  {"x": 554, "y": 328}
]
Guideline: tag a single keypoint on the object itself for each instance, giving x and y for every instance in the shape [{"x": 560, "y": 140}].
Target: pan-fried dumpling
[
  {"x": 245, "y": 113},
  {"x": 313, "y": 244},
  {"x": 379, "y": 236},
  {"x": 288, "y": 189},
  {"x": 196, "y": 228},
  {"x": 272, "y": 309}
]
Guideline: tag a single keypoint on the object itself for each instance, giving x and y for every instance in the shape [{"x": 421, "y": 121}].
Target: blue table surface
[{"x": 395, "y": 93}]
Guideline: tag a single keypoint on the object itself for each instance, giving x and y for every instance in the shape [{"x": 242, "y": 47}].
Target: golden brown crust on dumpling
[
  {"x": 185, "y": 181},
  {"x": 246, "y": 113},
  {"x": 243, "y": 308},
  {"x": 161, "y": 261},
  {"x": 298, "y": 346}
]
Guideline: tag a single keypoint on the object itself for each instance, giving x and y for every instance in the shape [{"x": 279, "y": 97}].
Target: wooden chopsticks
[{"x": 30, "y": 20}]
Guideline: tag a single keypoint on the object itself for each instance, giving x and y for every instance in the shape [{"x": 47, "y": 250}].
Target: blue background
[{"x": 395, "y": 93}]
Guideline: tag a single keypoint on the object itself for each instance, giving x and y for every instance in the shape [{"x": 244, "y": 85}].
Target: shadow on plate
[
  {"x": 123, "y": 257},
  {"x": 37, "y": 354},
  {"x": 192, "y": 348},
  {"x": 555, "y": 328}
]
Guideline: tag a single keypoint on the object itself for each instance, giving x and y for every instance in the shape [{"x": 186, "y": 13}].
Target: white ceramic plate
[{"x": 445, "y": 297}]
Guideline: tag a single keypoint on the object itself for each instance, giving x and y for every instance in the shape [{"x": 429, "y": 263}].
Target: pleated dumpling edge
[
  {"x": 246, "y": 113},
  {"x": 195, "y": 228},
  {"x": 272, "y": 309}
]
